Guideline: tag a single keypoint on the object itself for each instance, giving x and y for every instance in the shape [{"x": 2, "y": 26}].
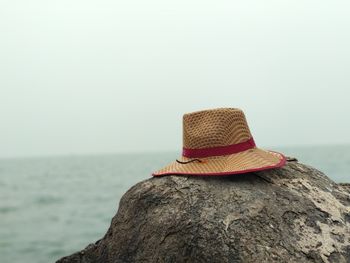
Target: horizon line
[{"x": 141, "y": 152}]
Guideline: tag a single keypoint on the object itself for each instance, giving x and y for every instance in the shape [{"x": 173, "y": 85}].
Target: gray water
[{"x": 53, "y": 206}]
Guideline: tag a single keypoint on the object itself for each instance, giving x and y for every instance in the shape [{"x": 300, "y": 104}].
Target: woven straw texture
[
  {"x": 220, "y": 127},
  {"x": 250, "y": 160},
  {"x": 211, "y": 128}
]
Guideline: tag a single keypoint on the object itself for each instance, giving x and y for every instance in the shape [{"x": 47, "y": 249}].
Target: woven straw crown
[{"x": 213, "y": 128}]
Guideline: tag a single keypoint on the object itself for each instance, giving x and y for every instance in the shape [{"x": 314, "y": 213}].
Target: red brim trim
[{"x": 280, "y": 164}]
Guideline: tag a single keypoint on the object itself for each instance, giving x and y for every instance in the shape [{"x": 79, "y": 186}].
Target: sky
[{"x": 82, "y": 76}]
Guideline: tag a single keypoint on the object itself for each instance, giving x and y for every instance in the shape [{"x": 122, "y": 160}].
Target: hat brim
[{"x": 243, "y": 162}]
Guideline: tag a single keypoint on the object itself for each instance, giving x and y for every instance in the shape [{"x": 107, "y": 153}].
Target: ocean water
[{"x": 51, "y": 207}]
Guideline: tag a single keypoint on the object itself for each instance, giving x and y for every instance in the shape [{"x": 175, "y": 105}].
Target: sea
[{"x": 51, "y": 207}]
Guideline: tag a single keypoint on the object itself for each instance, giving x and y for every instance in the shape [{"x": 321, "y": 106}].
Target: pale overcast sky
[{"x": 80, "y": 76}]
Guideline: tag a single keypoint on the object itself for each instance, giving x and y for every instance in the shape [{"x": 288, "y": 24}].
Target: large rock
[{"x": 291, "y": 214}]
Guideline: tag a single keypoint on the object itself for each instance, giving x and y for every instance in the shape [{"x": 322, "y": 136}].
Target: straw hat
[{"x": 219, "y": 142}]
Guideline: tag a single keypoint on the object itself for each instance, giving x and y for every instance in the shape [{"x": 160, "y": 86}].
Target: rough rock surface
[{"x": 291, "y": 214}]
